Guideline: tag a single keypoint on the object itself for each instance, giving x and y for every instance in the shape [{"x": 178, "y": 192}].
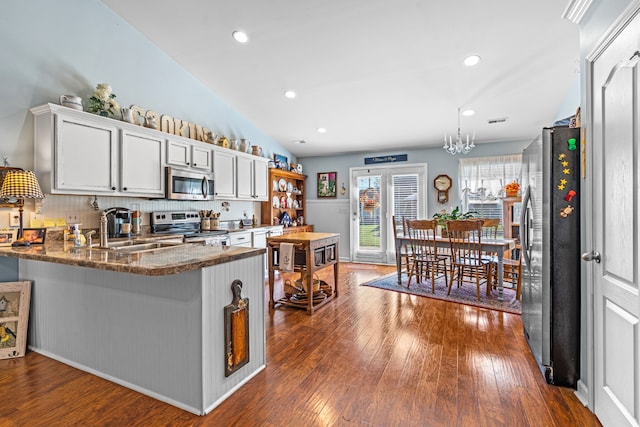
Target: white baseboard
[{"x": 582, "y": 393}]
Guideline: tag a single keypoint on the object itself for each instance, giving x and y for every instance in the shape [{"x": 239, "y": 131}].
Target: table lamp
[{"x": 20, "y": 185}]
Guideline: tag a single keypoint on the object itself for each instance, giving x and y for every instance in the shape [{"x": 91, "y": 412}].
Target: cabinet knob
[
  {"x": 124, "y": 189},
  {"x": 113, "y": 188}
]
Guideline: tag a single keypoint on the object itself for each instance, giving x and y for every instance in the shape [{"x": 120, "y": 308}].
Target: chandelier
[{"x": 459, "y": 146}]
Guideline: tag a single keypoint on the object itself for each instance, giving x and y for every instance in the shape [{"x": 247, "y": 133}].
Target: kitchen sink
[{"x": 133, "y": 246}]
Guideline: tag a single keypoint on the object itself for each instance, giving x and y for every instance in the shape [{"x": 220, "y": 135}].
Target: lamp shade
[{"x": 21, "y": 184}]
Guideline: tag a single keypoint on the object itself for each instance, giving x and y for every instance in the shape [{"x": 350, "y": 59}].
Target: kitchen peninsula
[{"x": 153, "y": 321}]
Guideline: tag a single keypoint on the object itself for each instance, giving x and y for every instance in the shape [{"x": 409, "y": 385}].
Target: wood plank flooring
[{"x": 369, "y": 358}]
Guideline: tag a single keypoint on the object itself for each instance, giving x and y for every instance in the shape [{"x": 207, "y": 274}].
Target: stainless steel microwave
[{"x": 184, "y": 184}]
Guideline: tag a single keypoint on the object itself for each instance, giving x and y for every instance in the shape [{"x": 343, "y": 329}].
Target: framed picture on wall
[
  {"x": 281, "y": 161},
  {"x": 327, "y": 184}
]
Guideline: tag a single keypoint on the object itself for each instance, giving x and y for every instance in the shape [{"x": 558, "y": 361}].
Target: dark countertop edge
[{"x": 137, "y": 269}]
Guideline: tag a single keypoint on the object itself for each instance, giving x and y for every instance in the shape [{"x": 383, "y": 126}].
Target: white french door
[
  {"x": 615, "y": 253},
  {"x": 378, "y": 193}
]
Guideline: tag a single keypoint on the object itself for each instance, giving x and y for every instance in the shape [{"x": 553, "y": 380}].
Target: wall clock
[{"x": 442, "y": 183}]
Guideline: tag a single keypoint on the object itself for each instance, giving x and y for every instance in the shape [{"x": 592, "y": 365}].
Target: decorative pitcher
[
  {"x": 71, "y": 101},
  {"x": 127, "y": 115},
  {"x": 245, "y": 145},
  {"x": 256, "y": 150},
  {"x": 151, "y": 122},
  {"x": 233, "y": 144}
]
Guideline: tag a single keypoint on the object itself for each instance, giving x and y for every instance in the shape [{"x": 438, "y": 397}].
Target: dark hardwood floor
[{"x": 371, "y": 357}]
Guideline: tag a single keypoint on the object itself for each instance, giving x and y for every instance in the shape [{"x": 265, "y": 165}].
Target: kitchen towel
[{"x": 286, "y": 257}]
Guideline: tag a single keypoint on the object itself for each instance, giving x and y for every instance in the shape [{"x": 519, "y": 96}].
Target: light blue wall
[
  {"x": 51, "y": 48},
  {"x": 439, "y": 162}
]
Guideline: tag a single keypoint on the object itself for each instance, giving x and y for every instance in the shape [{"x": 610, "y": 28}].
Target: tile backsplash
[{"x": 56, "y": 206}]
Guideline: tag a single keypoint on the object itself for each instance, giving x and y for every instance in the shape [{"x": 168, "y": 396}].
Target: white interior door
[{"x": 616, "y": 190}]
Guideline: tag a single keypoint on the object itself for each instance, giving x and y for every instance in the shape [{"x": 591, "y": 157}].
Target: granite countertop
[{"x": 174, "y": 260}]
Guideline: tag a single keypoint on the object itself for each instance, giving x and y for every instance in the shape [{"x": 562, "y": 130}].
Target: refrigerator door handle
[{"x": 524, "y": 226}]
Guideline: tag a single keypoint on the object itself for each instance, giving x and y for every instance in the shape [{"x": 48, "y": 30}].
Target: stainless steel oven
[
  {"x": 187, "y": 224},
  {"x": 184, "y": 184}
]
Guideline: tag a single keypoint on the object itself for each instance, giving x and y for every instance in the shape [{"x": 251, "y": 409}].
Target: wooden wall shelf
[{"x": 289, "y": 187}]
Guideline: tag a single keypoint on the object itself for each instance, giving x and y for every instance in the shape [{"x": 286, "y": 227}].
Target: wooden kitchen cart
[{"x": 312, "y": 252}]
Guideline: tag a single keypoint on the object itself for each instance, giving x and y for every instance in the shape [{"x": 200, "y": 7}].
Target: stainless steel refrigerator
[{"x": 550, "y": 239}]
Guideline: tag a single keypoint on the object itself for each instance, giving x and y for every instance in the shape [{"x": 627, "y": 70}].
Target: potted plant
[{"x": 443, "y": 216}]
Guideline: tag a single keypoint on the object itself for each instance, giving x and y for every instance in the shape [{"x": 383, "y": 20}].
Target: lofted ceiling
[{"x": 377, "y": 74}]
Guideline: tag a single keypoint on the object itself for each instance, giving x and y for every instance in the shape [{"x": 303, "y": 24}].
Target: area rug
[{"x": 465, "y": 294}]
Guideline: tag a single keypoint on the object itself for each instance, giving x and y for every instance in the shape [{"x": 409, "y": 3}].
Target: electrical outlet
[
  {"x": 14, "y": 218},
  {"x": 73, "y": 217}
]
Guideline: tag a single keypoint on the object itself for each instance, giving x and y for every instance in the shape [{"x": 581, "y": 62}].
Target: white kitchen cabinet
[
  {"x": 188, "y": 155},
  {"x": 224, "y": 169},
  {"x": 142, "y": 172},
  {"x": 240, "y": 238},
  {"x": 75, "y": 152},
  {"x": 178, "y": 153},
  {"x": 85, "y": 155},
  {"x": 251, "y": 178},
  {"x": 261, "y": 171},
  {"x": 81, "y": 153},
  {"x": 201, "y": 157},
  {"x": 259, "y": 240},
  {"x": 259, "y": 237}
]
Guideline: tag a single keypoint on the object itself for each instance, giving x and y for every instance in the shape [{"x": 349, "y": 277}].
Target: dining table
[{"x": 496, "y": 246}]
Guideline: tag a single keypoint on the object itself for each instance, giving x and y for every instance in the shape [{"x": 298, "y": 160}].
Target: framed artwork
[
  {"x": 35, "y": 236},
  {"x": 281, "y": 161},
  {"x": 327, "y": 184},
  {"x": 14, "y": 317},
  {"x": 7, "y": 237}
]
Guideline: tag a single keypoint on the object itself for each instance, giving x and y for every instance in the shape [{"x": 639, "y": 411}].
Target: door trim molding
[
  {"x": 586, "y": 389},
  {"x": 386, "y": 170}
]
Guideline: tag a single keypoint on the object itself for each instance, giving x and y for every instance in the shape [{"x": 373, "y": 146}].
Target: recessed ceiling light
[
  {"x": 468, "y": 113},
  {"x": 240, "y": 36},
  {"x": 290, "y": 94},
  {"x": 321, "y": 130},
  {"x": 471, "y": 60}
]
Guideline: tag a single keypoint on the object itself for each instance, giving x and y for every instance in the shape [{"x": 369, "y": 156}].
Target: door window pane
[{"x": 369, "y": 211}]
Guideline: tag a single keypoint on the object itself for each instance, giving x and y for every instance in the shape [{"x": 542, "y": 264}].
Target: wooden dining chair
[
  {"x": 512, "y": 267},
  {"x": 425, "y": 259},
  {"x": 512, "y": 272},
  {"x": 405, "y": 252},
  {"x": 465, "y": 240},
  {"x": 490, "y": 228},
  {"x": 490, "y": 231}
]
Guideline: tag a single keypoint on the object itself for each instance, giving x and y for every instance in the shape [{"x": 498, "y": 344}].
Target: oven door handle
[{"x": 204, "y": 186}]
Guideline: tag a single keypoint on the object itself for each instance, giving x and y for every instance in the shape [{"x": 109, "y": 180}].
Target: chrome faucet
[{"x": 104, "y": 241}]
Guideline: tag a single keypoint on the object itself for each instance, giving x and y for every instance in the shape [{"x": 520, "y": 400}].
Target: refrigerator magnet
[
  {"x": 570, "y": 195},
  {"x": 567, "y": 211}
]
